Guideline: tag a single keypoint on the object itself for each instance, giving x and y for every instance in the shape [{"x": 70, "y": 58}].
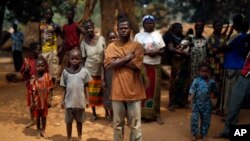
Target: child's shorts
[{"x": 74, "y": 114}]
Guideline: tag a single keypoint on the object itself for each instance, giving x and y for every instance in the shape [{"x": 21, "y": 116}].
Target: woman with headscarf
[{"x": 153, "y": 45}]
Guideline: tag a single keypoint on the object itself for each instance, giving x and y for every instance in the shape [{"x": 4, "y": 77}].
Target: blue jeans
[
  {"x": 240, "y": 90},
  {"x": 134, "y": 119}
]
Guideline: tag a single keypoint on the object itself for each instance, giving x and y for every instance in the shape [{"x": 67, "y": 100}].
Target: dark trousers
[
  {"x": 17, "y": 59},
  {"x": 240, "y": 91}
]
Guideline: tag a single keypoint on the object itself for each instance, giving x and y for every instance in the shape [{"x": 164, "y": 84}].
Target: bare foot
[
  {"x": 159, "y": 121},
  {"x": 31, "y": 123},
  {"x": 38, "y": 134},
  {"x": 43, "y": 134}
]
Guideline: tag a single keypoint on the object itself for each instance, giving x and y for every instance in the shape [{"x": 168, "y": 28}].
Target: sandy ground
[{"x": 14, "y": 116}]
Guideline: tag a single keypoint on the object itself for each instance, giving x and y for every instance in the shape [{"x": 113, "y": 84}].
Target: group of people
[{"x": 124, "y": 74}]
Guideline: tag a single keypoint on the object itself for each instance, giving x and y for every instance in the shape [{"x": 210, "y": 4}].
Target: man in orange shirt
[{"x": 125, "y": 57}]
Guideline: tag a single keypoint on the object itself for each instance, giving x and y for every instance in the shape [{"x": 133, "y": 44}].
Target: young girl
[
  {"x": 29, "y": 69},
  {"x": 200, "y": 91},
  {"x": 111, "y": 37},
  {"x": 74, "y": 79},
  {"x": 42, "y": 86}
]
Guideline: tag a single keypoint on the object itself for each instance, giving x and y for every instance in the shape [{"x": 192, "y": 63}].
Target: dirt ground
[{"x": 14, "y": 116}]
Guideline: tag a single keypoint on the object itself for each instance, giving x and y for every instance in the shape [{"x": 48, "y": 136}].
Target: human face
[
  {"x": 149, "y": 26},
  {"x": 40, "y": 66},
  {"x": 179, "y": 30},
  {"x": 204, "y": 72},
  {"x": 112, "y": 37},
  {"x": 89, "y": 29},
  {"x": 75, "y": 58},
  {"x": 217, "y": 27},
  {"x": 70, "y": 15},
  {"x": 124, "y": 30},
  {"x": 199, "y": 30},
  {"x": 48, "y": 14}
]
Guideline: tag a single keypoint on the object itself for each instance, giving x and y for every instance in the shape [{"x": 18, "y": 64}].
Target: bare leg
[
  {"x": 79, "y": 130},
  {"x": 43, "y": 134},
  {"x": 94, "y": 114},
  {"x": 32, "y": 122},
  {"x": 38, "y": 126},
  {"x": 69, "y": 130}
]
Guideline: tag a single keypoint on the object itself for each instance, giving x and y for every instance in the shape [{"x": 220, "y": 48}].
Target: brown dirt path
[{"x": 14, "y": 116}]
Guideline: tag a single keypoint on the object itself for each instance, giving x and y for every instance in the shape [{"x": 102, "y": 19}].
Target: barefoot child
[
  {"x": 74, "y": 79},
  {"x": 200, "y": 91},
  {"x": 42, "y": 86},
  {"x": 29, "y": 69}
]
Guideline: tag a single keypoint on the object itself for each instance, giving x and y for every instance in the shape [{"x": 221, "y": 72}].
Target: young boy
[
  {"x": 74, "y": 80},
  {"x": 200, "y": 91},
  {"x": 42, "y": 87}
]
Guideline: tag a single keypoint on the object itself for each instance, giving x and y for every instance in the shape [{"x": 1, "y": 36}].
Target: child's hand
[{"x": 87, "y": 105}]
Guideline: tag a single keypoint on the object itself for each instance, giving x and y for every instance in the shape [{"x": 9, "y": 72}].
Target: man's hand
[{"x": 130, "y": 56}]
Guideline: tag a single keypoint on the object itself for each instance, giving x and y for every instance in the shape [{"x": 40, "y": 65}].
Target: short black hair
[
  {"x": 204, "y": 65},
  {"x": 123, "y": 20},
  {"x": 71, "y": 9},
  {"x": 34, "y": 45},
  {"x": 89, "y": 21}
]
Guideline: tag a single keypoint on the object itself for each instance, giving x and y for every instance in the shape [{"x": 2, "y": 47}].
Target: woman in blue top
[{"x": 234, "y": 58}]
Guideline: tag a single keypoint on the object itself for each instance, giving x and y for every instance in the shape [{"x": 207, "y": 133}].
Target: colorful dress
[
  {"x": 41, "y": 88},
  {"x": 201, "y": 105},
  {"x": 48, "y": 34},
  {"x": 151, "y": 41},
  {"x": 198, "y": 55},
  {"x": 215, "y": 57},
  {"x": 93, "y": 63}
]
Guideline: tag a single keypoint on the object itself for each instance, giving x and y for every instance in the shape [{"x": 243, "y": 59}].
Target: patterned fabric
[
  {"x": 48, "y": 37},
  {"x": 201, "y": 105},
  {"x": 180, "y": 79},
  {"x": 17, "y": 38},
  {"x": 214, "y": 55},
  {"x": 151, "y": 105},
  {"x": 95, "y": 92},
  {"x": 198, "y": 55},
  {"x": 41, "y": 88}
]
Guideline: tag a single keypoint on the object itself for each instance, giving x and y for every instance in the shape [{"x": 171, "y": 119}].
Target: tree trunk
[
  {"x": 127, "y": 7},
  {"x": 88, "y": 10},
  {"x": 2, "y": 11},
  {"x": 108, "y": 16},
  {"x": 110, "y": 9}
]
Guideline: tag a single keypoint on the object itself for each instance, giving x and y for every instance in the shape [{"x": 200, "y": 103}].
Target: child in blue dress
[{"x": 200, "y": 92}]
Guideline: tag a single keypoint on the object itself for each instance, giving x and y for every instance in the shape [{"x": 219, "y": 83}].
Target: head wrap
[{"x": 148, "y": 18}]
